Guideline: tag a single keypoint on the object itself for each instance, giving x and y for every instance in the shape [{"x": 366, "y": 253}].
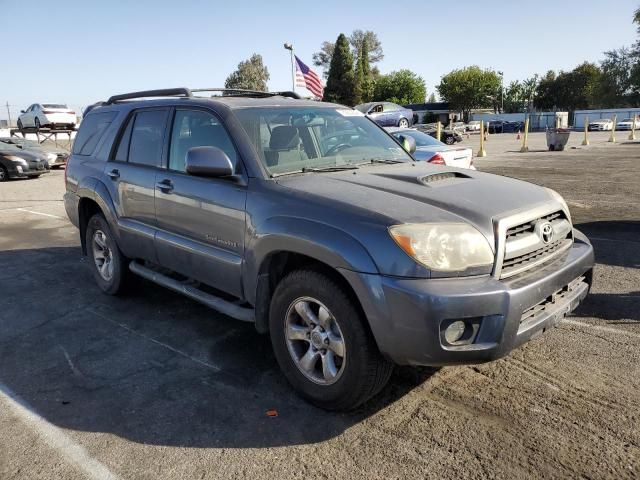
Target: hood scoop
[{"x": 444, "y": 178}]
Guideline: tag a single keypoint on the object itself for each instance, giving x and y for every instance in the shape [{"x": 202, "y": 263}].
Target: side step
[{"x": 217, "y": 303}]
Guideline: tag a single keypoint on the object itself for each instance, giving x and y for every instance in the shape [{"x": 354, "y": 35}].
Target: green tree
[
  {"x": 357, "y": 39},
  {"x": 574, "y": 90},
  {"x": 432, "y": 98},
  {"x": 364, "y": 82},
  {"x": 469, "y": 88},
  {"x": 402, "y": 87},
  {"x": 341, "y": 81},
  {"x": 251, "y": 74}
]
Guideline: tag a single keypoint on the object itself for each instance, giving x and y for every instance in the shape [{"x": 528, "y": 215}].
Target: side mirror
[
  {"x": 408, "y": 143},
  {"x": 22, "y": 111},
  {"x": 208, "y": 161}
]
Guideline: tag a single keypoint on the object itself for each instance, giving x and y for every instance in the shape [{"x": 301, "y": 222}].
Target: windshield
[
  {"x": 290, "y": 139},
  {"x": 422, "y": 139},
  {"x": 364, "y": 108}
]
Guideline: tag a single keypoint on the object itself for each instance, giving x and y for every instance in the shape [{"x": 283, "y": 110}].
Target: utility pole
[
  {"x": 9, "y": 114},
  {"x": 289, "y": 46}
]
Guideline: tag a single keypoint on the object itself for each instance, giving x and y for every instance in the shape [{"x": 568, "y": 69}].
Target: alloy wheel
[
  {"x": 102, "y": 255},
  {"x": 315, "y": 341}
]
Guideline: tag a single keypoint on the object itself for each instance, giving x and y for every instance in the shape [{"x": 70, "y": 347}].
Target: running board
[{"x": 217, "y": 303}]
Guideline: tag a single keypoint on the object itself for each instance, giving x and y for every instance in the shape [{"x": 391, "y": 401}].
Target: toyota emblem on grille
[{"x": 546, "y": 233}]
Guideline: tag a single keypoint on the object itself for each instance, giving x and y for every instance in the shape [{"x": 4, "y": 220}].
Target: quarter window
[
  {"x": 91, "y": 131},
  {"x": 196, "y": 128}
]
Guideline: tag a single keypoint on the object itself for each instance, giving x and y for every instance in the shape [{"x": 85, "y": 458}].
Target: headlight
[
  {"x": 558, "y": 197},
  {"x": 51, "y": 156},
  {"x": 445, "y": 247},
  {"x": 13, "y": 158}
]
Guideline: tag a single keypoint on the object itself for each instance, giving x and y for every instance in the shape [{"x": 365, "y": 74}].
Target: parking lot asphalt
[{"x": 154, "y": 385}]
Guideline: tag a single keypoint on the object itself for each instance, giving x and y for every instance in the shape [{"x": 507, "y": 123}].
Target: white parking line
[
  {"x": 55, "y": 437},
  {"x": 39, "y": 213},
  {"x": 615, "y": 331}
]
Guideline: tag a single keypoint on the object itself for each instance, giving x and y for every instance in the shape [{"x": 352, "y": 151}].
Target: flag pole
[{"x": 289, "y": 47}]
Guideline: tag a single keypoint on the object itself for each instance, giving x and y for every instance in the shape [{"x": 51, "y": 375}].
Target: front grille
[{"x": 529, "y": 244}]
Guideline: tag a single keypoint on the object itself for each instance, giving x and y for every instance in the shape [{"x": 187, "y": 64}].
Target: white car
[
  {"x": 601, "y": 125},
  {"x": 53, "y": 115},
  {"x": 473, "y": 126},
  {"x": 626, "y": 124},
  {"x": 430, "y": 150}
]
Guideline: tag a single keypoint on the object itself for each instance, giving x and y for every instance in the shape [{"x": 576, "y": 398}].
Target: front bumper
[
  {"x": 33, "y": 169},
  {"x": 406, "y": 315}
]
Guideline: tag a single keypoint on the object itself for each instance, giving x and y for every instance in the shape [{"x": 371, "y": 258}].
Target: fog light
[
  {"x": 454, "y": 332},
  {"x": 19, "y": 167}
]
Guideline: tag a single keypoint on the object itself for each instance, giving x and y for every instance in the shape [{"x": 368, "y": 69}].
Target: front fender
[{"x": 322, "y": 242}]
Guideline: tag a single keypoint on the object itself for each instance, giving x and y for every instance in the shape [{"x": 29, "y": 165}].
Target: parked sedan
[
  {"x": 626, "y": 124},
  {"x": 447, "y": 136},
  {"x": 504, "y": 126},
  {"x": 473, "y": 126},
  {"x": 430, "y": 150},
  {"x": 55, "y": 158},
  {"x": 16, "y": 163},
  {"x": 604, "y": 124},
  {"x": 53, "y": 115},
  {"x": 387, "y": 114}
]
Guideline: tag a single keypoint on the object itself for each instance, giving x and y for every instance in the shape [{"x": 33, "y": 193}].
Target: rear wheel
[
  {"x": 322, "y": 344},
  {"x": 109, "y": 266},
  {"x": 403, "y": 123}
]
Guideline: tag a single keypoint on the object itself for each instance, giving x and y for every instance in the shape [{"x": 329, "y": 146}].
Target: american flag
[{"x": 305, "y": 77}]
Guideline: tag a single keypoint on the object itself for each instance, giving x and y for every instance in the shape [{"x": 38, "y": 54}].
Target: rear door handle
[
  {"x": 114, "y": 174},
  {"x": 165, "y": 186}
]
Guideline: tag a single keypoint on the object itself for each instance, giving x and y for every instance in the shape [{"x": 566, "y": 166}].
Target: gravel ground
[{"x": 157, "y": 386}]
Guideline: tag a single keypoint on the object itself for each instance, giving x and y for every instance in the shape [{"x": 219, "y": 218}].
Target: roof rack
[
  {"x": 241, "y": 92},
  {"x": 185, "y": 92},
  {"x": 164, "y": 92}
]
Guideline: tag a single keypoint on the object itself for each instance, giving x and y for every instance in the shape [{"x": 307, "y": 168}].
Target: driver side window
[{"x": 377, "y": 109}]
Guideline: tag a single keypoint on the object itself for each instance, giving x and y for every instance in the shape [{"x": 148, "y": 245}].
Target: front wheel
[
  {"x": 20, "y": 127},
  {"x": 109, "y": 266},
  {"x": 36, "y": 123},
  {"x": 403, "y": 123},
  {"x": 322, "y": 344},
  {"x": 450, "y": 140},
  {"x": 4, "y": 175}
]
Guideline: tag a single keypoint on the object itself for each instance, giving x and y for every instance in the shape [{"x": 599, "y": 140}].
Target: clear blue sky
[{"x": 81, "y": 51}]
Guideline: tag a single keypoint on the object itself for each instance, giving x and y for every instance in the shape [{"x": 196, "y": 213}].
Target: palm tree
[{"x": 636, "y": 17}]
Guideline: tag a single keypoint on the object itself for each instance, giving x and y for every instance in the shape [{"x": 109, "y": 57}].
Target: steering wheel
[{"x": 337, "y": 148}]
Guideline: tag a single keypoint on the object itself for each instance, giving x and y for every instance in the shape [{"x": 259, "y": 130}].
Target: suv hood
[{"x": 415, "y": 193}]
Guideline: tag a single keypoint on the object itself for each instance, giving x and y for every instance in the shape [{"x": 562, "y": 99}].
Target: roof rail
[
  {"x": 165, "y": 92},
  {"x": 241, "y": 92}
]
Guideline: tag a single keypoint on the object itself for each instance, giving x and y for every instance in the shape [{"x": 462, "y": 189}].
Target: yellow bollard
[
  {"x": 612, "y": 138},
  {"x": 525, "y": 147},
  {"x": 482, "y": 152},
  {"x": 439, "y": 131},
  {"x": 632, "y": 135},
  {"x": 586, "y": 130}
]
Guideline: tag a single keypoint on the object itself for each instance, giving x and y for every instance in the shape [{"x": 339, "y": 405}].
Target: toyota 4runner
[{"x": 313, "y": 223}]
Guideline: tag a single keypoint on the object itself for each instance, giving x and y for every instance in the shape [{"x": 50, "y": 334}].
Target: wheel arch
[{"x": 94, "y": 199}]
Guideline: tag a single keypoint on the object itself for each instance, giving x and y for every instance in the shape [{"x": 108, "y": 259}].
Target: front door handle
[
  {"x": 114, "y": 174},
  {"x": 165, "y": 186}
]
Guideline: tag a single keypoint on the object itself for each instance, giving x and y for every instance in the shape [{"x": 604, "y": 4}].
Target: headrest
[{"x": 284, "y": 137}]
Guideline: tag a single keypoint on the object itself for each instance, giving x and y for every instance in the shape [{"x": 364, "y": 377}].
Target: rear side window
[
  {"x": 147, "y": 134},
  {"x": 91, "y": 131}
]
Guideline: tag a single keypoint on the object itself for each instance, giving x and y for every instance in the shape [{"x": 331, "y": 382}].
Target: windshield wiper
[
  {"x": 331, "y": 168},
  {"x": 384, "y": 160}
]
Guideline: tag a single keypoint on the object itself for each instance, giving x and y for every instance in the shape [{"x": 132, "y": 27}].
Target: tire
[
  {"x": 36, "y": 123},
  {"x": 450, "y": 140},
  {"x": 403, "y": 123},
  {"x": 115, "y": 278},
  {"x": 4, "y": 175},
  {"x": 20, "y": 127},
  {"x": 552, "y": 148},
  {"x": 358, "y": 374}
]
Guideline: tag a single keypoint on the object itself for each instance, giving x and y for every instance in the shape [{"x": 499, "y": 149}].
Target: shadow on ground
[{"x": 153, "y": 367}]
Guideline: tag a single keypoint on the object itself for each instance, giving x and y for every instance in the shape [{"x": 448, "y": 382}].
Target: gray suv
[{"x": 310, "y": 221}]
